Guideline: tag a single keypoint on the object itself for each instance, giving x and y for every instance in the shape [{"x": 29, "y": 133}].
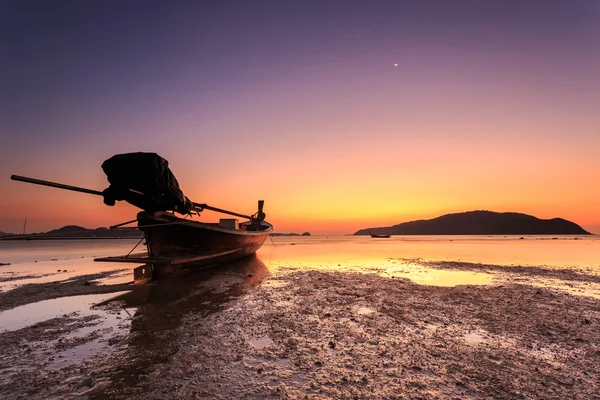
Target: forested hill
[{"x": 481, "y": 223}]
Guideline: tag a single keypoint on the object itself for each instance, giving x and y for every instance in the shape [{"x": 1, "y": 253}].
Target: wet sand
[
  {"x": 250, "y": 331},
  {"x": 76, "y": 286}
]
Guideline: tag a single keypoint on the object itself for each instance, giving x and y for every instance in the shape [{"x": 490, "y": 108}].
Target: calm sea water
[
  {"x": 40, "y": 257},
  {"x": 45, "y": 261},
  {"x": 404, "y": 256},
  {"x": 555, "y": 251}
]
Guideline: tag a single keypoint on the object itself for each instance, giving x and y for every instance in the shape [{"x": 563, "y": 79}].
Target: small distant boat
[
  {"x": 378, "y": 236},
  {"x": 172, "y": 243}
]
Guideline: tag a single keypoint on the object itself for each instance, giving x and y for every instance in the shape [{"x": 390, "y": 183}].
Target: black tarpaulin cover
[{"x": 145, "y": 181}]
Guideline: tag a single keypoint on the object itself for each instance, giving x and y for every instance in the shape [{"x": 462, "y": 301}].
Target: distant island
[
  {"x": 78, "y": 232},
  {"x": 481, "y": 223}
]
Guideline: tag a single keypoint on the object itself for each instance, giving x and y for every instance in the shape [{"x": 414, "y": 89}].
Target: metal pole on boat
[
  {"x": 207, "y": 207},
  {"x": 54, "y": 184}
]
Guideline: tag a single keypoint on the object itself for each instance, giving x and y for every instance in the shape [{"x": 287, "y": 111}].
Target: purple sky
[{"x": 293, "y": 82}]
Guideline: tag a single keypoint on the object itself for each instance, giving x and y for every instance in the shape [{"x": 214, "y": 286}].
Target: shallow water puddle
[
  {"x": 33, "y": 313},
  {"x": 124, "y": 276},
  {"x": 62, "y": 270},
  {"x": 436, "y": 277},
  {"x": 94, "y": 338},
  {"x": 417, "y": 273},
  {"x": 573, "y": 288},
  {"x": 77, "y": 353}
]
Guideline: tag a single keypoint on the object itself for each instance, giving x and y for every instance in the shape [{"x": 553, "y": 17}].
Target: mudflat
[{"x": 249, "y": 331}]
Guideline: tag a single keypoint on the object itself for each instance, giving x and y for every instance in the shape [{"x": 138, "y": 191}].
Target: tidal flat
[{"x": 309, "y": 320}]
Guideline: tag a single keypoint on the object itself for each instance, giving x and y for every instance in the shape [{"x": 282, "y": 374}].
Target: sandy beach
[{"x": 262, "y": 329}]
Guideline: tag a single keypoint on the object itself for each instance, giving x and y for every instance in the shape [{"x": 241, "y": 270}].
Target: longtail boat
[{"x": 172, "y": 242}]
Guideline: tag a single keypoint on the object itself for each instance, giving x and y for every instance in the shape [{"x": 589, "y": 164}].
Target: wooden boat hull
[
  {"x": 168, "y": 236},
  {"x": 175, "y": 243}
]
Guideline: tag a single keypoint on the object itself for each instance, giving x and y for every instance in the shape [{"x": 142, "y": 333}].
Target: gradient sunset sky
[{"x": 341, "y": 115}]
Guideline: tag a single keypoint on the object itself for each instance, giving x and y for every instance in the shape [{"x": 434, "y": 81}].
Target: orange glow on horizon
[
  {"x": 342, "y": 198},
  {"x": 339, "y": 188}
]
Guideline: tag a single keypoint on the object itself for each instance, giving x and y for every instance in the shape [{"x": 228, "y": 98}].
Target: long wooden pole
[
  {"x": 54, "y": 184},
  {"x": 98, "y": 193}
]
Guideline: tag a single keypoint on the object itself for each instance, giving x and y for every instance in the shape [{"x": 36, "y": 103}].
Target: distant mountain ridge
[
  {"x": 78, "y": 232},
  {"x": 481, "y": 223},
  {"x": 5, "y": 234},
  {"x": 67, "y": 229}
]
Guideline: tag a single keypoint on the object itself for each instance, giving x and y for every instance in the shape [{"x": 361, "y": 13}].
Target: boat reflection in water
[
  {"x": 199, "y": 291},
  {"x": 162, "y": 305}
]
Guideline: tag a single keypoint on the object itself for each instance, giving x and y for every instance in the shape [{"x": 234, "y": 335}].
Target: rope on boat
[
  {"x": 134, "y": 247},
  {"x": 122, "y": 223}
]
